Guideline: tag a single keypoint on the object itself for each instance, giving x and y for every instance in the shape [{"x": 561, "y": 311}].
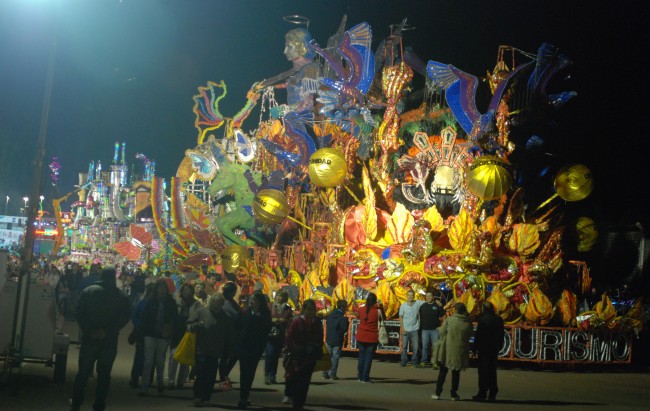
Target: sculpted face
[
  {"x": 296, "y": 45},
  {"x": 292, "y": 49}
]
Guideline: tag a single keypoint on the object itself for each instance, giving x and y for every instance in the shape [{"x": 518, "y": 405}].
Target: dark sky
[{"x": 127, "y": 70}]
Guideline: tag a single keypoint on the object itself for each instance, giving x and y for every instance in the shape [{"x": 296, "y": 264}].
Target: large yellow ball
[
  {"x": 574, "y": 183},
  {"x": 327, "y": 167},
  {"x": 232, "y": 257},
  {"x": 488, "y": 178},
  {"x": 270, "y": 206}
]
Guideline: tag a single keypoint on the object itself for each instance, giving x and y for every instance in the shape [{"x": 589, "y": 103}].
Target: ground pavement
[{"x": 394, "y": 388}]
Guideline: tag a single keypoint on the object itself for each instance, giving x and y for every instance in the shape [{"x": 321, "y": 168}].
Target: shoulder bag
[{"x": 381, "y": 326}]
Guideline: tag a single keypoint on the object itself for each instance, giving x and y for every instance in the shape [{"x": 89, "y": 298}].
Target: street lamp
[
  {"x": 25, "y": 199},
  {"x": 6, "y": 205}
]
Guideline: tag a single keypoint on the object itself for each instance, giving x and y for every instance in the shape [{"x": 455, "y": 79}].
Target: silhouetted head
[
  {"x": 488, "y": 307},
  {"x": 460, "y": 308},
  {"x": 107, "y": 276}
]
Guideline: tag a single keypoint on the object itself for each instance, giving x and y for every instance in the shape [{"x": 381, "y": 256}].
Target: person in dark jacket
[
  {"x": 281, "y": 315},
  {"x": 304, "y": 346},
  {"x": 430, "y": 313},
  {"x": 138, "y": 340},
  {"x": 214, "y": 343},
  {"x": 255, "y": 330},
  {"x": 337, "y": 326},
  {"x": 103, "y": 311},
  {"x": 234, "y": 311},
  {"x": 158, "y": 318},
  {"x": 488, "y": 340},
  {"x": 137, "y": 286}
]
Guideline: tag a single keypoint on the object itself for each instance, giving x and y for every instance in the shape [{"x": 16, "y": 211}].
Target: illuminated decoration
[
  {"x": 587, "y": 233},
  {"x": 327, "y": 167},
  {"x": 446, "y": 155},
  {"x": 537, "y": 344},
  {"x": 46, "y": 232},
  {"x": 574, "y": 183},
  {"x": 270, "y": 206},
  {"x": 488, "y": 178},
  {"x": 132, "y": 249},
  {"x": 233, "y": 257}
]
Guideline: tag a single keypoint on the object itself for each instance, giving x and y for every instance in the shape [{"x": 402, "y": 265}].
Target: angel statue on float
[{"x": 301, "y": 81}]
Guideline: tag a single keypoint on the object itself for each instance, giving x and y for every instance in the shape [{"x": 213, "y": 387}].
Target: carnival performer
[
  {"x": 337, "y": 326},
  {"x": 158, "y": 318},
  {"x": 103, "y": 312},
  {"x": 256, "y": 325},
  {"x": 430, "y": 314},
  {"x": 303, "y": 347},
  {"x": 137, "y": 338},
  {"x": 214, "y": 343},
  {"x": 186, "y": 307},
  {"x": 281, "y": 314},
  {"x": 488, "y": 340},
  {"x": 452, "y": 349},
  {"x": 367, "y": 336},
  {"x": 409, "y": 321}
]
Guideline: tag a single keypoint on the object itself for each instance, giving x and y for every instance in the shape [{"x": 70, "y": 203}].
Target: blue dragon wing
[
  {"x": 360, "y": 40},
  {"x": 460, "y": 92}
]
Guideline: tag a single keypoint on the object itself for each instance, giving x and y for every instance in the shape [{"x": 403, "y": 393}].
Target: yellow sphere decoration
[
  {"x": 488, "y": 178},
  {"x": 574, "y": 183},
  {"x": 270, "y": 206},
  {"x": 587, "y": 233},
  {"x": 327, "y": 167},
  {"x": 232, "y": 257}
]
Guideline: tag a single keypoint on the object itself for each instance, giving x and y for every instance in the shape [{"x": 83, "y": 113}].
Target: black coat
[
  {"x": 337, "y": 326},
  {"x": 254, "y": 334},
  {"x": 489, "y": 334},
  {"x": 102, "y": 306},
  {"x": 148, "y": 322}
]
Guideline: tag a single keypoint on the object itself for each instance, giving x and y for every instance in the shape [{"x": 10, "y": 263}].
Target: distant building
[{"x": 12, "y": 230}]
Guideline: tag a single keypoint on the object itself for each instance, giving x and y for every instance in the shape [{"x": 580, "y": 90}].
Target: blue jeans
[
  {"x": 410, "y": 336},
  {"x": 429, "y": 337},
  {"x": 272, "y": 356},
  {"x": 335, "y": 354},
  {"x": 154, "y": 356},
  {"x": 366, "y": 351}
]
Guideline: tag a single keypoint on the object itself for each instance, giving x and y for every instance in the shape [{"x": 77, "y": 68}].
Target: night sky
[{"x": 127, "y": 70}]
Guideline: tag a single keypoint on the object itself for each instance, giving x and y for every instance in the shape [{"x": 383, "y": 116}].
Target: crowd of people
[{"x": 232, "y": 330}]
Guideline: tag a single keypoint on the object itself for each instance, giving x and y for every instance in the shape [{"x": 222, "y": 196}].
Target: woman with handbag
[
  {"x": 281, "y": 314},
  {"x": 188, "y": 305},
  {"x": 367, "y": 335},
  {"x": 303, "y": 347}
]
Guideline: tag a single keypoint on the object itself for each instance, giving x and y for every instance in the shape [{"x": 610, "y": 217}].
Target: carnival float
[{"x": 351, "y": 187}]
